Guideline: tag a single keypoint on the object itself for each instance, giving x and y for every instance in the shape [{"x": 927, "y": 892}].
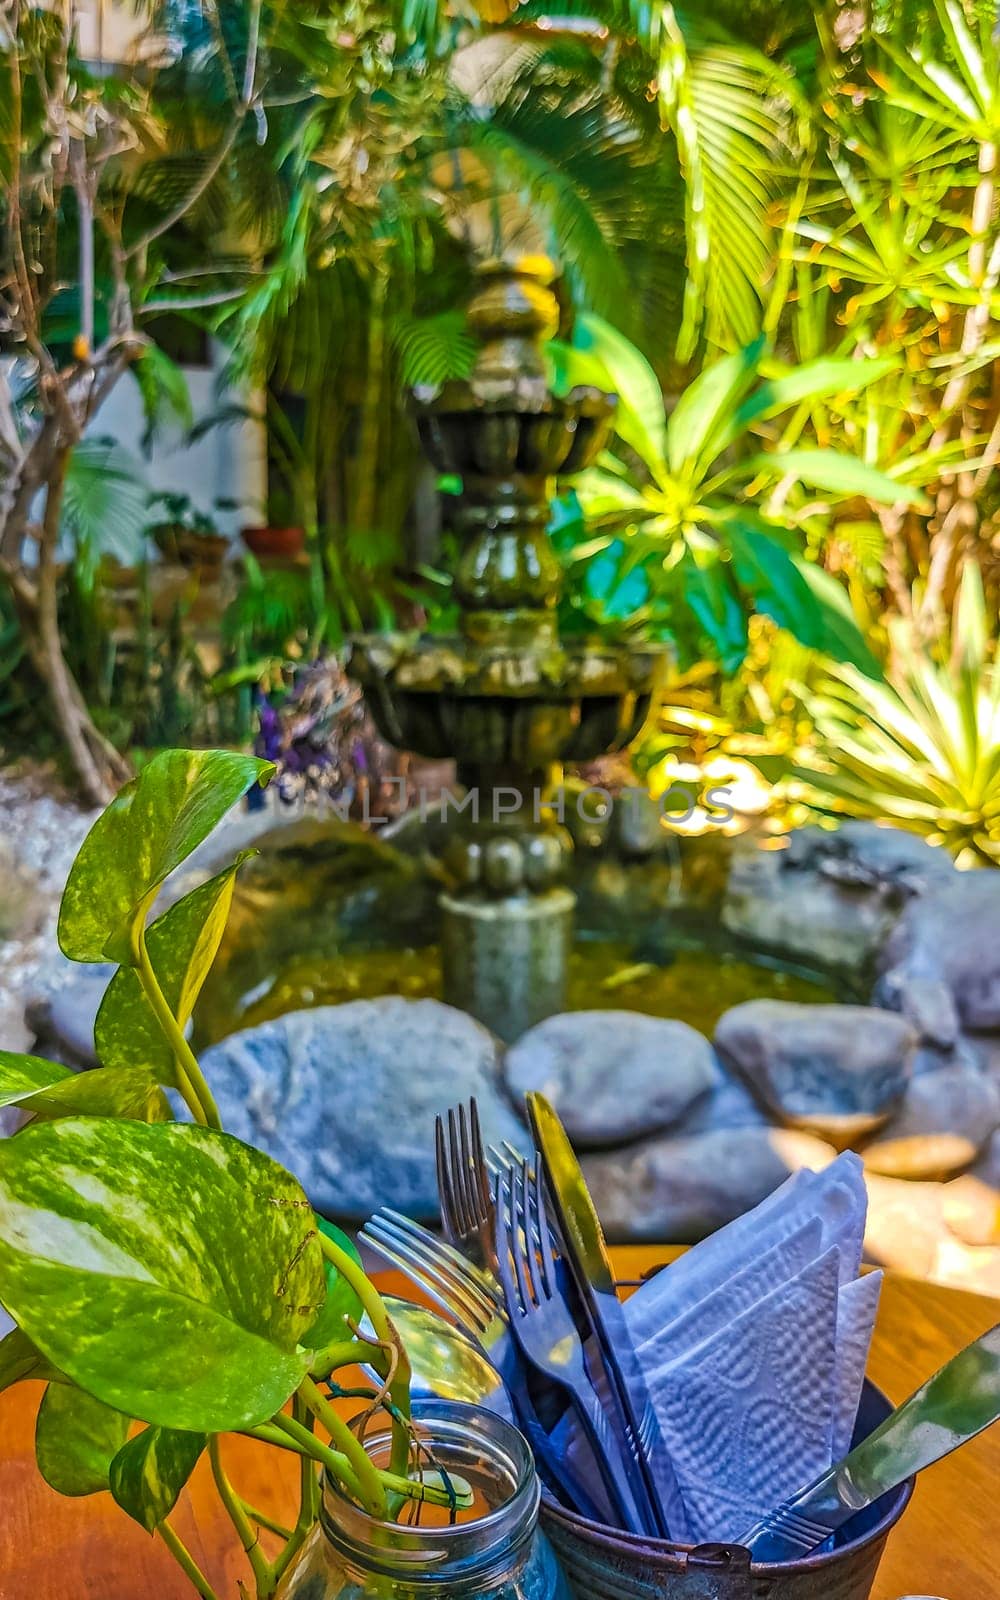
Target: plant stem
[
  {"x": 371, "y": 1300},
  {"x": 190, "y": 1079},
  {"x": 186, "y": 1561},
  {"x": 308, "y": 1497},
  {"x": 263, "y": 1520},
  {"x": 300, "y": 1442},
  {"x": 345, "y": 1354},
  {"x": 259, "y": 1565},
  {"x": 373, "y": 1493}
]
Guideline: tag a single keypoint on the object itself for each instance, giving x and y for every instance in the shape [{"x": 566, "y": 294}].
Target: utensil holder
[{"x": 606, "y": 1564}]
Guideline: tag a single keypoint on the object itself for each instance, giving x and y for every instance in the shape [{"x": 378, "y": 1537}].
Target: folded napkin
[{"x": 754, "y": 1346}]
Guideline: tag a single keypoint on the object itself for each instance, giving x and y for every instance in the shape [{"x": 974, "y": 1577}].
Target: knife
[
  {"x": 587, "y": 1257},
  {"x": 950, "y": 1409}
]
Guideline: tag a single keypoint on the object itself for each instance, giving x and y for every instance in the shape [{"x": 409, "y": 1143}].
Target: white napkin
[
  {"x": 747, "y": 1415},
  {"x": 754, "y": 1346}
]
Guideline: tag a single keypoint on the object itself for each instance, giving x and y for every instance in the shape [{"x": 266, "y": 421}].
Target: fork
[
  {"x": 464, "y": 1294},
  {"x": 542, "y": 1322},
  {"x": 464, "y": 1185}
]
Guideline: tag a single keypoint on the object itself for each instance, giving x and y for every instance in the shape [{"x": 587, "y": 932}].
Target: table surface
[{"x": 57, "y": 1549}]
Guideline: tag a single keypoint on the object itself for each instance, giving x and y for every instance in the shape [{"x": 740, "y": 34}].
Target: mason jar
[{"x": 501, "y": 1554}]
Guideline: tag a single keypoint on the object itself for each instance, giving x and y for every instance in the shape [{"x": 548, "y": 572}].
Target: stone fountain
[{"x": 505, "y": 696}]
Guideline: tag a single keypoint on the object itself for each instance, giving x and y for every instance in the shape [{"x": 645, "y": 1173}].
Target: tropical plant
[
  {"x": 890, "y": 246},
  {"x": 921, "y": 750},
  {"x": 696, "y": 520},
  {"x": 123, "y": 1234},
  {"x": 90, "y": 250}
]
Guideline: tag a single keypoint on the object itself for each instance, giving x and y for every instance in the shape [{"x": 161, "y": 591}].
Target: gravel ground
[{"x": 42, "y": 829}]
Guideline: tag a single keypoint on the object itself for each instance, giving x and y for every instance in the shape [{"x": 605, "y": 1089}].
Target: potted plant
[
  {"x": 124, "y": 1234},
  {"x": 185, "y": 535},
  {"x": 280, "y": 538}
]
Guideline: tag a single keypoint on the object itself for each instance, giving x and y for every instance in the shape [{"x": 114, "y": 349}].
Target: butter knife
[
  {"x": 950, "y": 1409},
  {"x": 587, "y": 1257}
]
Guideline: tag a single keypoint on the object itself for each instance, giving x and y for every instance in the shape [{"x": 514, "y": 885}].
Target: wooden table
[{"x": 56, "y": 1549}]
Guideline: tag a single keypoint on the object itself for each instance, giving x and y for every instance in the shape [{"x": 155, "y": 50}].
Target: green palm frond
[
  {"x": 105, "y": 500},
  {"x": 431, "y": 350},
  {"x": 731, "y": 112}
]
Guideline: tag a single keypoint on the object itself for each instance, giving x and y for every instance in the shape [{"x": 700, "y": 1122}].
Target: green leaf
[
  {"x": 76, "y": 1440},
  {"x": 150, "y": 827},
  {"x": 168, "y": 1269},
  {"x": 182, "y": 945},
  {"x": 149, "y": 1472},
  {"x": 840, "y": 474},
  {"x": 842, "y": 638},
  {"x": 705, "y": 407},
  {"x": 639, "y": 419},
  {"x": 341, "y": 1300},
  {"x": 47, "y": 1089},
  {"x": 21, "y": 1359},
  {"x": 24, "y": 1076},
  {"x": 129, "y": 1092},
  {"x": 766, "y": 569},
  {"x": 813, "y": 380}
]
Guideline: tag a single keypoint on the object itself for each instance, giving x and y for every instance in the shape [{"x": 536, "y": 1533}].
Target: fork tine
[
  {"x": 458, "y": 1164},
  {"x": 505, "y": 1245},
  {"x": 520, "y": 1236},
  {"x": 459, "y": 1265},
  {"x": 531, "y": 1244},
  {"x": 468, "y": 1177},
  {"x": 442, "y": 1300},
  {"x": 433, "y": 1259},
  {"x": 446, "y": 1193},
  {"x": 479, "y": 1165},
  {"x": 412, "y": 1260}
]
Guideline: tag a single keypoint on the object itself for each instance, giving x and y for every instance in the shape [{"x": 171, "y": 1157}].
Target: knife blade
[
  {"x": 587, "y": 1256},
  {"x": 953, "y": 1407}
]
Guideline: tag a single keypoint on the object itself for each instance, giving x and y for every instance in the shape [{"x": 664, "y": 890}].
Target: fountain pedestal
[{"x": 505, "y": 696}]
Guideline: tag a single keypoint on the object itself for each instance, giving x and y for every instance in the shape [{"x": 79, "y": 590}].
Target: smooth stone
[
  {"x": 926, "y": 1003},
  {"x": 953, "y": 935},
  {"x": 837, "y": 1071},
  {"x": 947, "y": 1118},
  {"x": 613, "y": 1076},
  {"x": 346, "y": 1097},
  {"x": 829, "y": 898},
  {"x": 681, "y": 1188},
  {"x": 729, "y": 1105}
]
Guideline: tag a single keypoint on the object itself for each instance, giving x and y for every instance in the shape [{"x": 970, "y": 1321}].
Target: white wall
[{"x": 228, "y": 463}]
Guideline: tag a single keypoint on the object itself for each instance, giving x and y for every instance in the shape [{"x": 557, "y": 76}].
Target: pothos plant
[{"x": 169, "y": 1283}]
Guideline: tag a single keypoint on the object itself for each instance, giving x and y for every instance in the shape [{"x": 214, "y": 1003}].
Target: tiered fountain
[{"x": 505, "y": 696}]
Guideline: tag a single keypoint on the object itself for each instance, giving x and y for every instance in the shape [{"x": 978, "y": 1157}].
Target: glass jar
[{"x": 501, "y": 1555}]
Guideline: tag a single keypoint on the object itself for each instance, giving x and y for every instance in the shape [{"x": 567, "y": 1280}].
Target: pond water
[
  {"x": 695, "y": 986},
  {"x": 329, "y": 914}
]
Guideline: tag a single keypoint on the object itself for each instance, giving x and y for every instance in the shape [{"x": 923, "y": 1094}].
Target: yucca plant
[
  {"x": 691, "y": 521},
  {"x": 921, "y": 750}
]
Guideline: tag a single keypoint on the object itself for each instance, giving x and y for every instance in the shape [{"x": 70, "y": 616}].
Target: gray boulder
[
  {"x": 838, "y": 1071},
  {"x": 729, "y": 1105},
  {"x": 947, "y": 1119},
  {"x": 346, "y": 1096},
  {"x": 613, "y": 1076},
  {"x": 952, "y": 935},
  {"x": 926, "y": 1002},
  {"x": 830, "y": 897},
  {"x": 681, "y": 1188}
]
